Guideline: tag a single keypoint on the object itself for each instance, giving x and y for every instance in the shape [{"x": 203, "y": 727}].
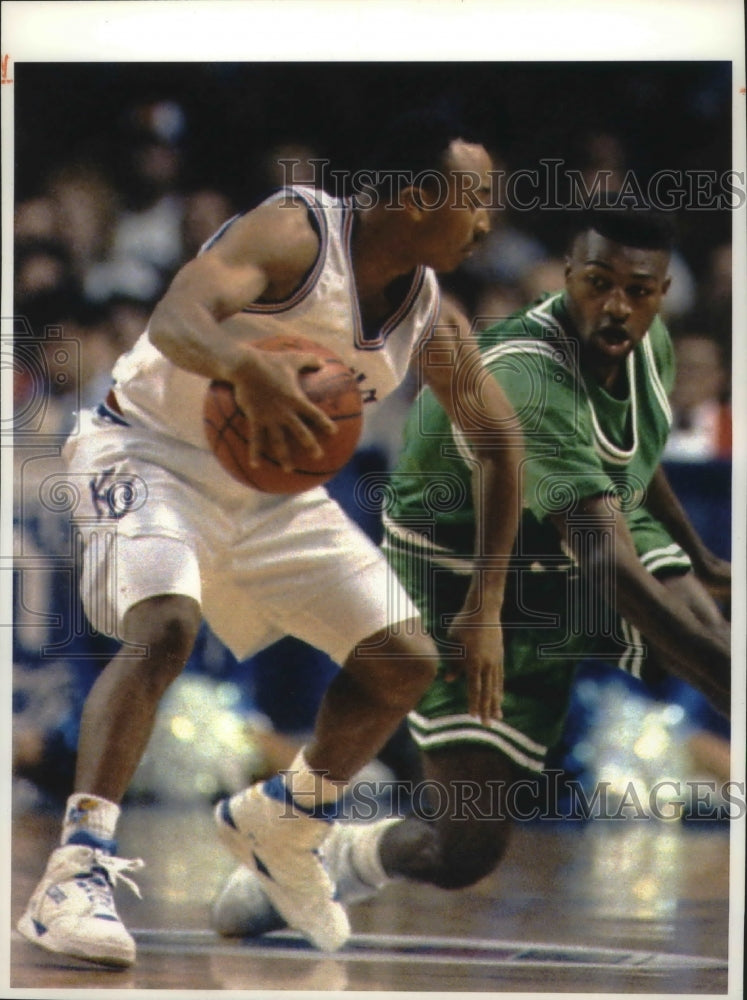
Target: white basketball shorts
[{"x": 156, "y": 516}]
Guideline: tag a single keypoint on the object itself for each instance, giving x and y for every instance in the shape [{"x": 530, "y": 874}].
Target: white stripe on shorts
[{"x": 461, "y": 728}]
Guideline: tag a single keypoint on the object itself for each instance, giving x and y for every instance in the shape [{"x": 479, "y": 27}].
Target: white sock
[
  {"x": 364, "y": 851},
  {"x": 309, "y": 788},
  {"x": 89, "y": 814}
]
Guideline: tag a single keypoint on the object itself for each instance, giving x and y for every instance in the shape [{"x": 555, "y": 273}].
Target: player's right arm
[
  {"x": 482, "y": 416},
  {"x": 264, "y": 253},
  {"x": 698, "y": 651},
  {"x": 563, "y": 469}
]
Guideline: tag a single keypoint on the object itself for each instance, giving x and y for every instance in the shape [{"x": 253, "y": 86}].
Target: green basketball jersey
[{"x": 579, "y": 441}]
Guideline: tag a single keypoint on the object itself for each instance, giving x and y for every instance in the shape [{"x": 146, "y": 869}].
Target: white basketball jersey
[{"x": 154, "y": 392}]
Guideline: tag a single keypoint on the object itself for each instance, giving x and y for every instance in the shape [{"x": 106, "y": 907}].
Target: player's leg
[
  {"x": 470, "y": 829},
  {"x": 146, "y": 591},
  {"x": 120, "y": 710},
  {"x": 452, "y": 841},
  {"x": 309, "y": 571},
  {"x": 381, "y": 680},
  {"x": 458, "y": 842},
  {"x": 330, "y": 587},
  {"x": 352, "y": 851},
  {"x": 278, "y": 828},
  {"x": 469, "y": 767},
  {"x": 72, "y": 911}
]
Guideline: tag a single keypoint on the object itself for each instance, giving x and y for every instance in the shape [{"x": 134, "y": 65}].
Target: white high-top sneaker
[
  {"x": 243, "y": 908},
  {"x": 280, "y": 842},
  {"x": 72, "y": 910}
]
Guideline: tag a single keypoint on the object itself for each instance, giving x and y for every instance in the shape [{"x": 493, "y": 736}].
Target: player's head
[
  {"x": 615, "y": 278},
  {"x": 434, "y": 173}
]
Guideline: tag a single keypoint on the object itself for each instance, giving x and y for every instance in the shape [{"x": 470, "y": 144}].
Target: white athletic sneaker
[
  {"x": 72, "y": 910},
  {"x": 281, "y": 843},
  {"x": 242, "y": 908}
]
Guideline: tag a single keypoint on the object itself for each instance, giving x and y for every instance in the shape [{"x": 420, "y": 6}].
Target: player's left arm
[
  {"x": 662, "y": 502},
  {"x": 451, "y": 365},
  {"x": 694, "y": 646}
]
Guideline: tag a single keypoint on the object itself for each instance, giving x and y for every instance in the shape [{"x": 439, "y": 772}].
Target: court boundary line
[{"x": 432, "y": 949}]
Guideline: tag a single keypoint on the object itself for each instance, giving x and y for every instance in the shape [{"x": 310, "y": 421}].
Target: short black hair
[
  {"x": 644, "y": 228},
  {"x": 417, "y": 142}
]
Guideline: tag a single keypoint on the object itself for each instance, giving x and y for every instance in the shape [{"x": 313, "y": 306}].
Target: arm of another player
[
  {"x": 697, "y": 651},
  {"x": 267, "y": 251},
  {"x": 480, "y": 412},
  {"x": 662, "y": 502}
]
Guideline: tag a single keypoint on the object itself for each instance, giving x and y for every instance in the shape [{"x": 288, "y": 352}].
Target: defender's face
[
  {"x": 455, "y": 210},
  {"x": 613, "y": 293}
]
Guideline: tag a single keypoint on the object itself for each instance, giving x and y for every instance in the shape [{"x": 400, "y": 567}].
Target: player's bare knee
[
  {"x": 397, "y": 667},
  {"x": 166, "y": 627},
  {"x": 411, "y": 849},
  {"x": 462, "y": 871},
  {"x": 433, "y": 852},
  {"x": 463, "y": 863}
]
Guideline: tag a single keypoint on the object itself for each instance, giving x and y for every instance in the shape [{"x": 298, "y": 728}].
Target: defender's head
[{"x": 616, "y": 275}]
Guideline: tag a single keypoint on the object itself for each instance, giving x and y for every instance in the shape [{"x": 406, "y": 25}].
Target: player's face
[
  {"x": 613, "y": 293},
  {"x": 456, "y": 210}
]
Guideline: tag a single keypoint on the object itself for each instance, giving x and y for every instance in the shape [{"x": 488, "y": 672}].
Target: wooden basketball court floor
[{"x": 603, "y": 908}]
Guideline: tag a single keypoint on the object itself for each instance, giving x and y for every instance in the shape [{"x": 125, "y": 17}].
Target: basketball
[{"x": 332, "y": 387}]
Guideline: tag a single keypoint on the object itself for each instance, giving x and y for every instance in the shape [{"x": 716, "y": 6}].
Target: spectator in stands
[
  {"x": 205, "y": 210},
  {"x": 148, "y": 230},
  {"x": 34, "y": 219},
  {"x": 701, "y": 428},
  {"x": 85, "y": 205}
]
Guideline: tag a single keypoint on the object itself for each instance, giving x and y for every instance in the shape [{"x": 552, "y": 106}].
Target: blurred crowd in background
[{"x": 122, "y": 172}]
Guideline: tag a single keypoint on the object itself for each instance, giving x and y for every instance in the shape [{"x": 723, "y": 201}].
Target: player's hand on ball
[
  {"x": 268, "y": 390},
  {"x": 286, "y": 428}
]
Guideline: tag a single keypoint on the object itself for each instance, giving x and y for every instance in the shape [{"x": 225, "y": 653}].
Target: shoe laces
[{"x": 114, "y": 870}]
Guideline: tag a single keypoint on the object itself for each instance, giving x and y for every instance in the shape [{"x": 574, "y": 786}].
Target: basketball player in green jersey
[{"x": 606, "y": 562}]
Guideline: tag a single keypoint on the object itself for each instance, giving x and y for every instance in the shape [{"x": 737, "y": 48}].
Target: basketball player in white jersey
[{"x": 170, "y": 537}]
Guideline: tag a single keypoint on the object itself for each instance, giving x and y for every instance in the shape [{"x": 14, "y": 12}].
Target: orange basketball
[{"x": 333, "y": 388}]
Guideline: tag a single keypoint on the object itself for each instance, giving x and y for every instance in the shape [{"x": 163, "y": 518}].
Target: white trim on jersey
[
  {"x": 542, "y": 315},
  {"x": 311, "y": 279},
  {"x": 218, "y": 233},
  {"x": 608, "y": 449},
  {"x": 469, "y": 720},
  {"x": 430, "y": 324},
  {"x": 670, "y": 556},
  {"x": 604, "y": 446},
  {"x": 656, "y": 382}
]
